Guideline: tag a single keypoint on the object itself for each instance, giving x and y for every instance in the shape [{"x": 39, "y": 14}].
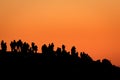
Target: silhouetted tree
[{"x": 3, "y": 46}]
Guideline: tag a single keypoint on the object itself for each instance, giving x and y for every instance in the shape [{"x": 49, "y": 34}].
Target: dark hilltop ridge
[{"x": 52, "y": 61}]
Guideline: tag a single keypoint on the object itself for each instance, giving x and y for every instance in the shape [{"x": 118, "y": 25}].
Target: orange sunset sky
[{"x": 92, "y": 26}]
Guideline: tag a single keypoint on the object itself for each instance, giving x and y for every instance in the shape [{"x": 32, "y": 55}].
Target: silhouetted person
[
  {"x": 44, "y": 49},
  {"x": 51, "y": 48},
  {"x": 58, "y": 52},
  {"x": 25, "y": 47},
  {"x": 19, "y": 45},
  {"x": 63, "y": 49},
  {"x": 13, "y": 46},
  {"x": 34, "y": 47},
  {"x": 85, "y": 57},
  {"x": 64, "y": 52},
  {"x": 73, "y": 51},
  {"x": 3, "y": 46},
  {"x": 106, "y": 62}
]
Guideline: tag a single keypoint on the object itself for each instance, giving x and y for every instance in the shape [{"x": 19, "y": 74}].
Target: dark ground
[{"x": 56, "y": 67}]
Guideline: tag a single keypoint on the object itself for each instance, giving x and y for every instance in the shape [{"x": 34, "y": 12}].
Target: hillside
[{"x": 26, "y": 60}]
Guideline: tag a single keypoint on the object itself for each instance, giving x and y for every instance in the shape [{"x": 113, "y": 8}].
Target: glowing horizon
[{"x": 92, "y": 26}]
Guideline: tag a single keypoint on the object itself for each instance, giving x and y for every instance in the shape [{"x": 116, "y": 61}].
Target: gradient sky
[{"x": 92, "y": 26}]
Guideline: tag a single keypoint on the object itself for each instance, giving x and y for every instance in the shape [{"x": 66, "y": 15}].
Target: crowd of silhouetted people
[
  {"x": 19, "y": 47},
  {"x": 23, "y": 53},
  {"x": 23, "y": 47},
  {"x": 47, "y": 50}
]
